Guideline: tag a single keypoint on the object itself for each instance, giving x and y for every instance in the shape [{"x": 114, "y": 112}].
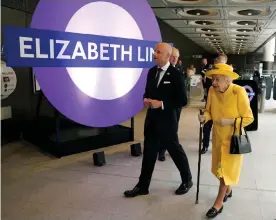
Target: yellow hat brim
[{"x": 231, "y": 74}]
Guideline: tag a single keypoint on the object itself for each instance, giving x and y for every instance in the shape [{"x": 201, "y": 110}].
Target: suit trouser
[
  {"x": 151, "y": 148},
  {"x": 161, "y": 144},
  {"x": 206, "y": 133},
  {"x": 204, "y": 88}
]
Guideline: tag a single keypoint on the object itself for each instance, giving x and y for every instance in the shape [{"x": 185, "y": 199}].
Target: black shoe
[
  {"x": 161, "y": 157},
  {"x": 227, "y": 196},
  {"x": 184, "y": 188},
  {"x": 135, "y": 192},
  {"x": 212, "y": 213},
  {"x": 204, "y": 150}
]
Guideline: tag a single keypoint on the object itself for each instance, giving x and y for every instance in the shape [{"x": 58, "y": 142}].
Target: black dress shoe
[
  {"x": 161, "y": 158},
  {"x": 227, "y": 196},
  {"x": 135, "y": 192},
  {"x": 184, "y": 188},
  {"x": 212, "y": 213},
  {"x": 204, "y": 150}
]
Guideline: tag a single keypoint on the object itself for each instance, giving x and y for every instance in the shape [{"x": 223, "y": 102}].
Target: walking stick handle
[{"x": 201, "y": 111}]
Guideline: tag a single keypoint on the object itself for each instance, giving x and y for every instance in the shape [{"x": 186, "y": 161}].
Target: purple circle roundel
[{"x": 97, "y": 96}]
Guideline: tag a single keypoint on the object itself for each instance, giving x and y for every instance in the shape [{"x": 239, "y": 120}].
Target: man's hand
[
  {"x": 226, "y": 121},
  {"x": 147, "y": 102},
  {"x": 155, "y": 104}
]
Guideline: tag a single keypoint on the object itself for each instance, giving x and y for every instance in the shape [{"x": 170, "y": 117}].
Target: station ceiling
[{"x": 230, "y": 26}]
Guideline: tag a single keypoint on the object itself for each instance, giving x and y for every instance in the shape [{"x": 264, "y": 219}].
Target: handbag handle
[
  {"x": 240, "y": 126},
  {"x": 234, "y": 126}
]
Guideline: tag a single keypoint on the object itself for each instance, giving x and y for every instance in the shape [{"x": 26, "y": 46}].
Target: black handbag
[{"x": 240, "y": 144}]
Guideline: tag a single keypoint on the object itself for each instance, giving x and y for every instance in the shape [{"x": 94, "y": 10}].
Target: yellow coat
[{"x": 231, "y": 104}]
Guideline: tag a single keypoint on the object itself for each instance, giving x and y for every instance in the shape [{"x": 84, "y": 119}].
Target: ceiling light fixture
[{"x": 198, "y": 13}]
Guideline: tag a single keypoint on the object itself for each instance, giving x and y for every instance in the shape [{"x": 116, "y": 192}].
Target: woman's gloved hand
[
  {"x": 201, "y": 118},
  {"x": 226, "y": 121}
]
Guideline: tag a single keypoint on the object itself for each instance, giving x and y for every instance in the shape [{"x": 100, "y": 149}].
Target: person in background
[
  {"x": 256, "y": 75},
  {"x": 191, "y": 70},
  {"x": 257, "y": 79},
  {"x": 204, "y": 68},
  {"x": 222, "y": 58},
  {"x": 173, "y": 60},
  {"x": 164, "y": 94},
  {"x": 179, "y": 66},
  {"x": 226, "y": 103},
  {"x": 235, "y": 68}
]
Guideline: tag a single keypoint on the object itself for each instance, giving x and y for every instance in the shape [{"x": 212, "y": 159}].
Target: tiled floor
[{"x": 36, "y": 187}]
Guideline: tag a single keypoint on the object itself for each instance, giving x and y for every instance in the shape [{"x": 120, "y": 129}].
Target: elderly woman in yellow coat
[{"x": 226, "y": 102}]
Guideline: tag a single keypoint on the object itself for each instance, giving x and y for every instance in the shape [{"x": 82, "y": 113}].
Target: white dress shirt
[{"x": 162, "y": 73}]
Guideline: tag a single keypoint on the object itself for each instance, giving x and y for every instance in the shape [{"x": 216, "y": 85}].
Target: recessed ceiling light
[
  {"x": 198, "y": 13},
  {"x": 249, "y": 13},
  {"x": 209, "y": 30},
  {"x": 244, "y": 31},
  {"x": 246, "y": 24}
]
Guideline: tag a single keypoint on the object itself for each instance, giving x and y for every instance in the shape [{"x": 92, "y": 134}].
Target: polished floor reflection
[{"x": 38, "y": 187}]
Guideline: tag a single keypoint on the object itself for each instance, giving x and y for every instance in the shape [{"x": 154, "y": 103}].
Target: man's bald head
[
  {"x": 162, "y": 54},
  {"x": 174, "y": 57},
  {"x": 166, "y": 47}
]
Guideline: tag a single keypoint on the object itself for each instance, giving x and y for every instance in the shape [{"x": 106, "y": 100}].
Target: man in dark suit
[
  {"x": 205, "y": 81},
  {"x": 178, "y": 65},
  {"x": 173, "y": 60},
  {"x": 165, "y": 92}
]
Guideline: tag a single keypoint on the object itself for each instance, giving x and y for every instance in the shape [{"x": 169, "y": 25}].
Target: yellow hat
[{"x": 222, "y": 69}]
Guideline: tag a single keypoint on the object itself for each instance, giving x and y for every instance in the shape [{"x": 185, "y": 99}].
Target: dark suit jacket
[
  {"x": 205, "y": 68},
  {"x": 173, "y": 94}
]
